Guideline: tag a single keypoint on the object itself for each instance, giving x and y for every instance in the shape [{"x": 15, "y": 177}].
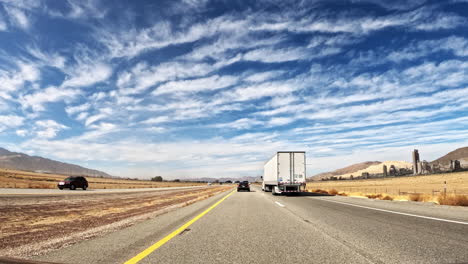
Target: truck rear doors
[{"x": 291, "y": 167}]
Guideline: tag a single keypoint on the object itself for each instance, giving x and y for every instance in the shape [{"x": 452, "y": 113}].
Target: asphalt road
[{"x": 257, "y": 227}]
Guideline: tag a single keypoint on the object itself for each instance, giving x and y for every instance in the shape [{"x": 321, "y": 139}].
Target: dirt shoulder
[{"x": 32, "y": 226}]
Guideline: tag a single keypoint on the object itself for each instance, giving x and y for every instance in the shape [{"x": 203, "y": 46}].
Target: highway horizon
[{"x": 257, "y": 227}]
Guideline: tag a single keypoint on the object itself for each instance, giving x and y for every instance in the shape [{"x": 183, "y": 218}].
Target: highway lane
[{"x": 257, "y": 227}]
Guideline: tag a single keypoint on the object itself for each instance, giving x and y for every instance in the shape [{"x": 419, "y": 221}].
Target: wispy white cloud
[
  {"x": 420, "y": 49},
  {"x": 10, "y": 121},
  {"x": 256, "y": 91},
  {"x": 14, "y": 79},
  {"x": 196, "y": 85},
  {"x": 243, "y": 123},
  {"x": 3, "y": 24},
  {"x": 17, "y": 17},
  {"x": 103, "y": 113},
  {"x": 143, "y": 76},
  {"x": 88, "y": 74},
  {"x": 78, "y": 10},
  {"x": 129, "y": 42},
  {"x": 92, "y": 119},
  {"x": 394, "y": 5},
  {"x": 37, "y": 100},
  {"x": 21, "y": 132},
  {"x": 264, "y": 76},
  {"x": 48, "y": 128},
  {"x": 156, "y": 120},
  {"x": 46, "y": 59},
  {"x": 71, "y": 110},
  {"x": 423, "y": 19},
  {"x": 276, "y": 55}
]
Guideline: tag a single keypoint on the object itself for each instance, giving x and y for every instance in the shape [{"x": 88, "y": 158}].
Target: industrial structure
[{"x": 415, "y": 161}]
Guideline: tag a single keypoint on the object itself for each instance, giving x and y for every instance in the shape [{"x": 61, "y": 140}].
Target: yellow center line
[{"x": 166, "y": 239}]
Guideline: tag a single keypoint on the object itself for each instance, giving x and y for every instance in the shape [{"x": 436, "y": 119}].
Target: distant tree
[
  {"x": 157, "y": 179},
  {"x": 216, "y": 181},
  {"x": 176, "y": 180}
]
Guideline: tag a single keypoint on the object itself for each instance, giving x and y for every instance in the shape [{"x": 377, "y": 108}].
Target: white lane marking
[
  {"x": 400, "y": 213},
  {"x": 278, "y": 203}
]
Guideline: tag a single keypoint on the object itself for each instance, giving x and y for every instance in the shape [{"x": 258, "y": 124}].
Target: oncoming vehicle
[
  {"x": 73, "y": 183},
  {"x": 245, "y": 185}
]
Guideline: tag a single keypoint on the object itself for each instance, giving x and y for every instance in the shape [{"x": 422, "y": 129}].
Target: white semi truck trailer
[{"x": 285, "y": 172}]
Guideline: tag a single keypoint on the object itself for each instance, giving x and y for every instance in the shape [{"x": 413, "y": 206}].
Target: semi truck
[{"x": 285, "y": 172}]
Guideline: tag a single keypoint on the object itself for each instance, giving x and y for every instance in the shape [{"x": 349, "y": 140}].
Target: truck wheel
[
  {"x": 84, "y": 187},
  {"x": 72, "y": 187}
]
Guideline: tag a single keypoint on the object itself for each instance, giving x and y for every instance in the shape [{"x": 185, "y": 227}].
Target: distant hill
[
  {"x": 349, "y": 169},
  {"x": 21, "y": 161},
  {"x": 378, "y": 168},
  {"x": 233, "y": 179},
  {"x": 460, "y": 154}
]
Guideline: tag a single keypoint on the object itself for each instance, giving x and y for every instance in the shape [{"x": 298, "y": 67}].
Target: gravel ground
[{"x": 29, "y": 192}]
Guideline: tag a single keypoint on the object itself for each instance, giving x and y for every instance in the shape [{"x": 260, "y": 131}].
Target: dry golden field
[
  {"x": 457, "y": 183},
  {"x": 23, "y": 179},
  {"x": 34, "y": 224}
]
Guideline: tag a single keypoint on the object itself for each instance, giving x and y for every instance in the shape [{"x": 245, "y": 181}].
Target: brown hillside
[
  {"x": 458, "y": 154},
  {"x": 345, "y": 170},
  {"x": 21, "y": 161}
]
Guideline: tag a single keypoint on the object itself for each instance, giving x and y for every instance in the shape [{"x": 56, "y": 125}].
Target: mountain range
[
  {"x": 460, "y": 154},
  {"x": 233, "y": 179},
  {"x": 21, "y": 161}
]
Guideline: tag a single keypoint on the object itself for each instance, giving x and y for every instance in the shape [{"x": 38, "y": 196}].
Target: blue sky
[{"x": 201, "y": 88}]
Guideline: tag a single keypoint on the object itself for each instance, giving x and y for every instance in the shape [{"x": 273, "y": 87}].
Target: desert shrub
[
  {"x": 342, "y": 194},
  {"x": 333, "y": 192},
  {"x": 416, "y": 197},
  {"x": 319, "y": 191},
  {"x": 157, "y": 179},
  {"x": 387, "y": 197},
  {"x": 374, "y": 196},
  {"x": 459, "y": 200}
]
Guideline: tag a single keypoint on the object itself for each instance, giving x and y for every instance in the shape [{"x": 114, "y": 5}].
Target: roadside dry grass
[
  {"x": 459, "y": 200},
  {"x": 442, "y": 199},
  {"x": 428, "y": 188},
  {"x": 28, "y": 180},
  {"x": 457, "y": 183},
  {"x": 32, "y": 225}
]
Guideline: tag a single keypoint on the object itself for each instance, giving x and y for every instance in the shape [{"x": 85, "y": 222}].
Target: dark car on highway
[
  {"x": 244, "y": 185},
  {"x": 73, "y": 183}
]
